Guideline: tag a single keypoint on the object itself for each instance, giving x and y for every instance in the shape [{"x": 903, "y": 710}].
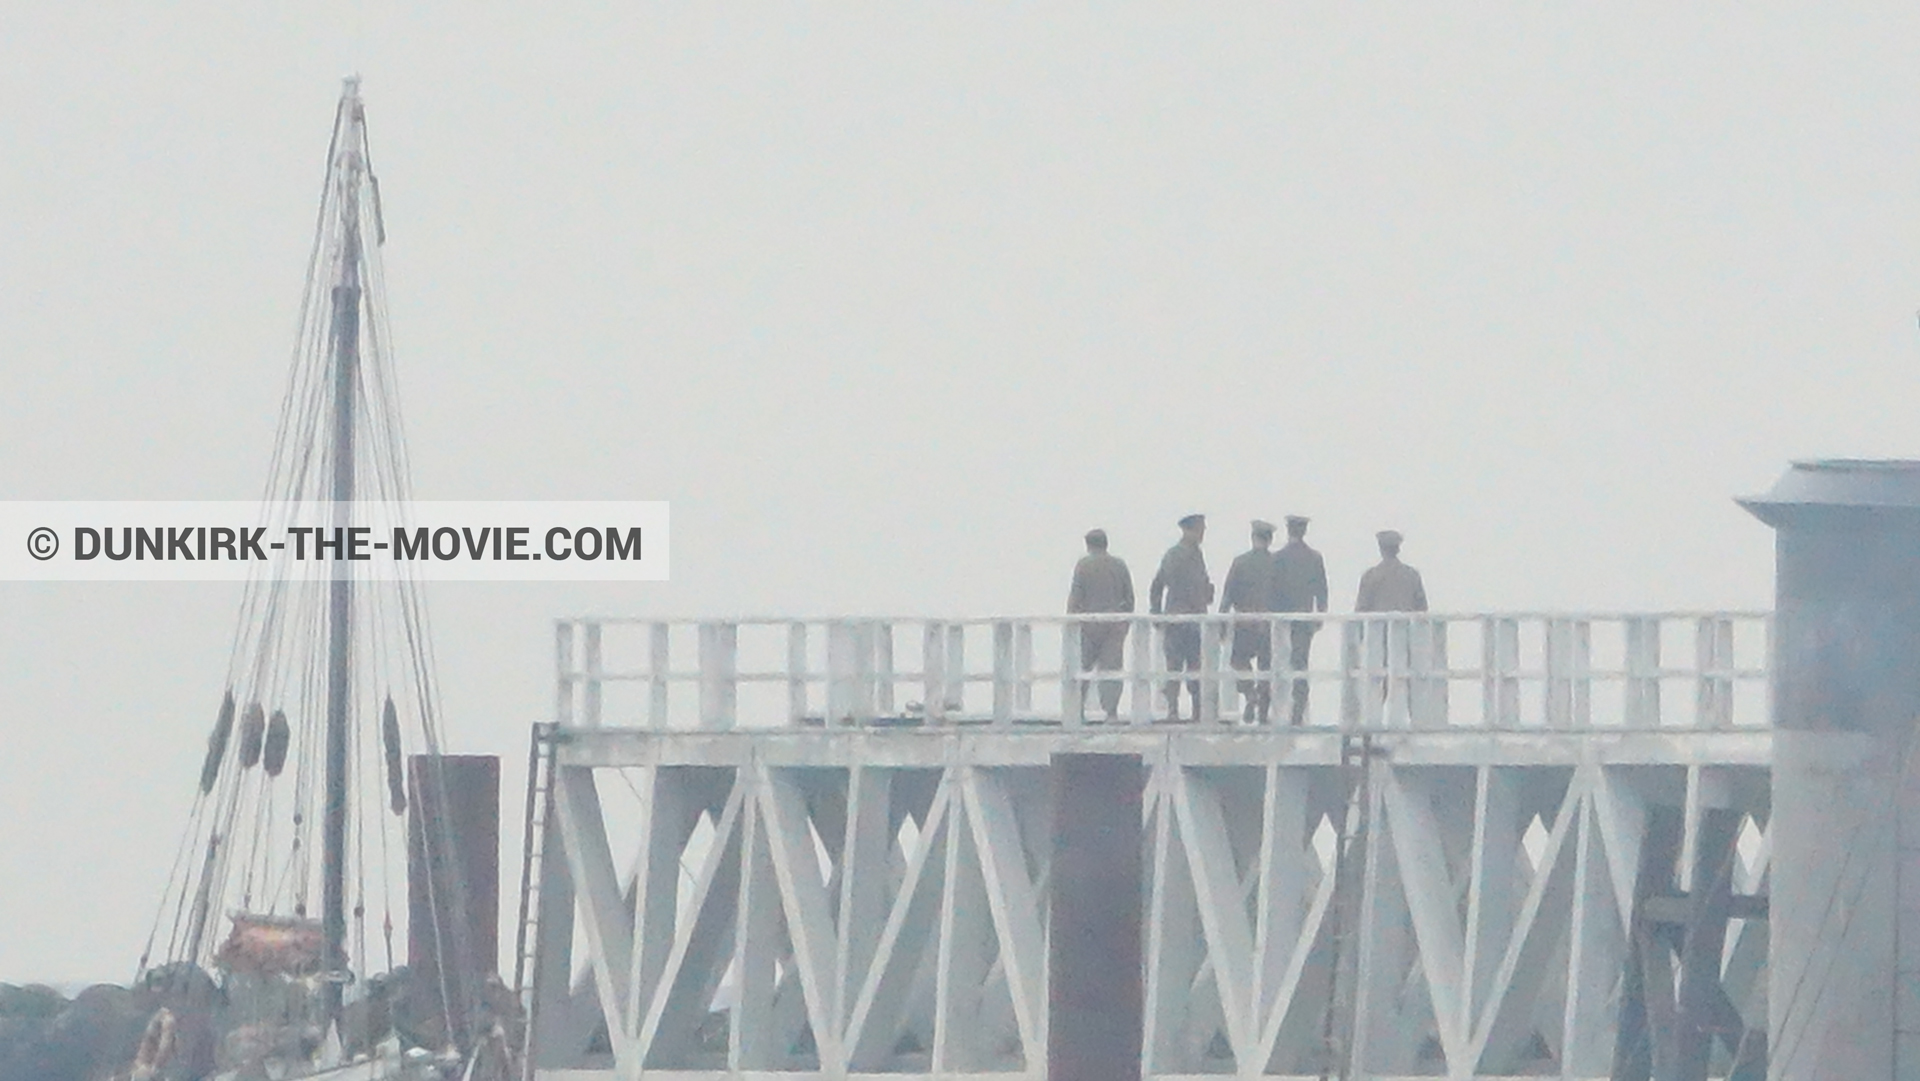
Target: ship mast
[
  {"x": 300, "y": 659},
  {"x": 345, "y": 333}
]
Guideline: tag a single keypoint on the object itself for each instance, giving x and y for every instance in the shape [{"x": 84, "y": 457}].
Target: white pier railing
[{"x": 1493, "y": 671}]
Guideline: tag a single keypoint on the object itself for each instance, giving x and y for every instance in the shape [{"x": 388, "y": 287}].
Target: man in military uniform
[
  {"x": 1181, "y": 587},
  {"x": 1300, "y": 585},
  {"x": 1250, "y": 588},
  {"x": 1390, "y": 585},
  {"x": 1101, "y": 583}
]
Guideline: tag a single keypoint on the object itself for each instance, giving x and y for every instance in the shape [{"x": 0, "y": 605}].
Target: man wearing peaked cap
[
  {"x": 1182, "y": 587},
  {"x": 1250, "y": 588},
  {"x": 1300, "y": 585},
  {"x": 1101, "y": 583},
  {"x": 1390, "y": 585}
]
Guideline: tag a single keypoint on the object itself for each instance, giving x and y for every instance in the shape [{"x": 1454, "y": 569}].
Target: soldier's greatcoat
[
  {"x": 1250, "y": 583},
  {"x": 1300, "y": 579},
  {"x": 1181, "y": 586},
  {"x": 1391, "y": 586}
]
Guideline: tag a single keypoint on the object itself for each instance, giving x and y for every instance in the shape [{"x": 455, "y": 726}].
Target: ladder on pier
[
  {"x": 539, "y": 812},
  {"x": 1349, "y": 896}
]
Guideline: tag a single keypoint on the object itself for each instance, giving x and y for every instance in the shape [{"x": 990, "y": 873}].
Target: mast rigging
[{"x": 343, "y": 666}]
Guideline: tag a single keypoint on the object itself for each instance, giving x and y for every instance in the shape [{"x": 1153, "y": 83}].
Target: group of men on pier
[{"x": 1261, "y": 580}]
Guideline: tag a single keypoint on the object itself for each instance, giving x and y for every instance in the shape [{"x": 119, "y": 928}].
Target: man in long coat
[
  {"x": 1101, "y": 583},
  {"x": 1181, "y": 587},
  {"x": 1250, "y": 588},
  {"x": 1300, "y": 585},
  {"x": 1390, "y": 585}
]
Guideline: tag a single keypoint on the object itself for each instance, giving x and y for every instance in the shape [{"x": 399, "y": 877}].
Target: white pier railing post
[
  {"x": 1398, "y": 711},
  {"x": 882, "y": 673},
  {"x": 796, "y": 672},
  {"x": 1023, "y": 668},
  {"x": 1394, "y": 670},
  {"x": 659, "y": 662},
  {"x": 1569, "y": 675},
  {"x": 1226, "y": 684},
  {"x": 933, "y": 654},
  {"x": 866, "y": 684},
  {"x": 956, "y": 691},
  {"x": 1580, "y": 671},
  {"x": 564, "y": 667},
  {"x": 1642, "y": 705},
  {"x": 1499, "y": 672},
  {"x": 1073, "y": 704},
  {"x": 1003, "y": 671},
  {"x": 1769, "y": 630},
  {"x": 594, "y": 690},
  {"x": 839, "y": 675},
  {"x": 1426, "y": 691},
  {"x": 1279, "y": 689},
  {"x": 1376, "y": 687},
  {"x": 1713, "y": 664},
  {"x": 719, "y": 666},
  {"x": 1140, "y": 646},
  {"x": 1353, "y": 682},
  {"x": 1210, "y": 666},
  {"x": 849, "y": 672},
  {"x": 1557, "y": 653}
]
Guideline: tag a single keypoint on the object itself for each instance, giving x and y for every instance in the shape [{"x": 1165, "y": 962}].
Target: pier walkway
[{"x": 785, "y": 848}]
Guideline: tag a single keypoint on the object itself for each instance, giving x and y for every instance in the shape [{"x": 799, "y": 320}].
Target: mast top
[{"x": 350, "y": 104}]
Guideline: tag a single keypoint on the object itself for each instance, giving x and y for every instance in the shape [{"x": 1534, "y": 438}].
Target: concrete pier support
[{"x": 1845, "y": 834}]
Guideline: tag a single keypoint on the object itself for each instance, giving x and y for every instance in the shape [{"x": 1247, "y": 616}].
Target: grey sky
[{"x": 893, "y": 303}]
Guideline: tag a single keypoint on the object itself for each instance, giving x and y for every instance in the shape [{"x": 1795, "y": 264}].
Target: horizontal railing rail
[{"x": 1374, "y": 671}]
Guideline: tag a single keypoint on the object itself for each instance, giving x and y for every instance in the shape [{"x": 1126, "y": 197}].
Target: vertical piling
[
  {"x": 453, "y": 874},
  {"x": 1095, "y": 993}
]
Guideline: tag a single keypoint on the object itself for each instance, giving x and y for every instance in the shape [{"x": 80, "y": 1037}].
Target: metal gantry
[{"x": 819, "y": 848}]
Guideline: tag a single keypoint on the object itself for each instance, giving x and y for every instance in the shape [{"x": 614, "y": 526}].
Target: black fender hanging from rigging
[
  {"x": 274, "y": 752},
  {"x": 396, "y": 781},
  {"x": 217, "y": 745},
  {"x": 253, "y": 733}
]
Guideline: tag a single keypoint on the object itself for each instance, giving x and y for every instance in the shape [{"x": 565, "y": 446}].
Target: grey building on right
[{"x": 1844, "y": 964}]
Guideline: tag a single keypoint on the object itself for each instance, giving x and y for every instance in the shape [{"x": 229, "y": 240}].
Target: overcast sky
[{"x": 893, "y": 303}]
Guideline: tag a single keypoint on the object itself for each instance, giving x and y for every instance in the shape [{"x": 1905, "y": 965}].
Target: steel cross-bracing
[{"x": 788, "y": 889}]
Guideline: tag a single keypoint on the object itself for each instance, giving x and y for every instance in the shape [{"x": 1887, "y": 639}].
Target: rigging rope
[{"x": 234, "y": 849}]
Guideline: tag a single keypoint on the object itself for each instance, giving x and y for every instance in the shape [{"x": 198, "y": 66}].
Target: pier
[{"x": 774, "y": 848}]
